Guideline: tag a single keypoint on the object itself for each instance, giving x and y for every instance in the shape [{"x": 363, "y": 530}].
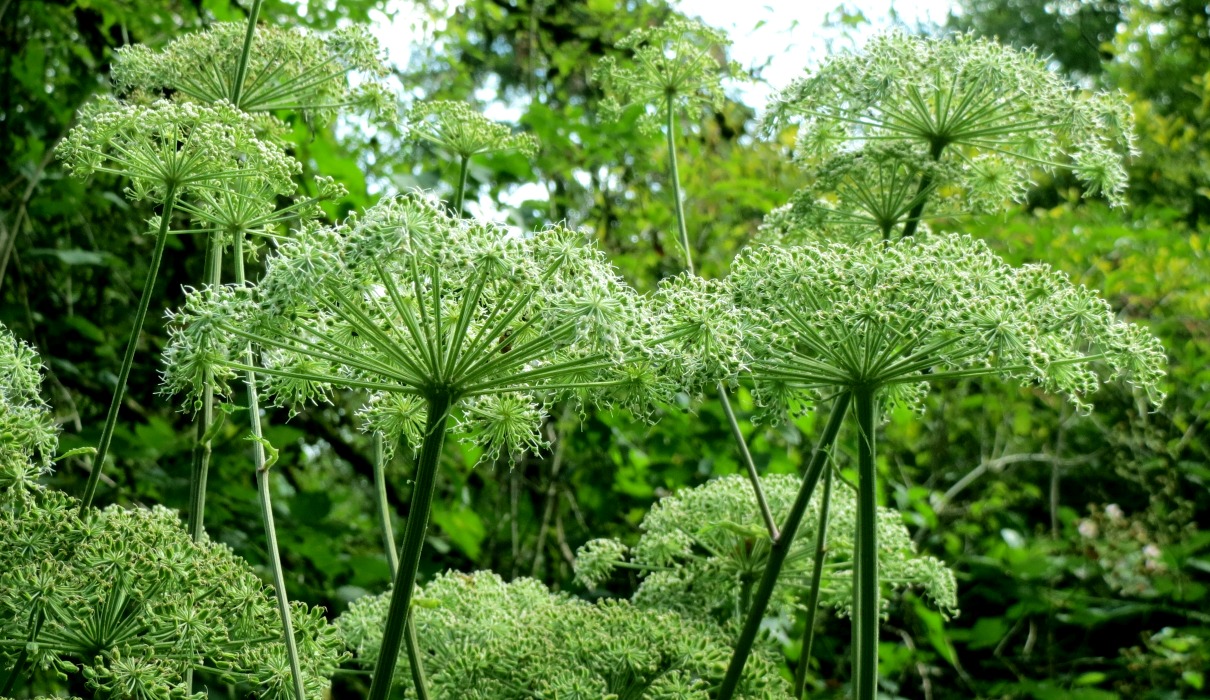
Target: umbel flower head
[
  {"x": 28, "y": 434},
  {"x": 674, "y": 64},
  {"x": 125, "y": 599},
  {"x": 459, "y": 129},
  {"x": 185, "y": 148},
  {"x": 287, "y": 70},
  {"x": 995, "y": 113},
  {"x": 869, "y": 190},
  {"x": 484, "y": 639},
  {"x": 891, "y": 316},
  {"x": 701, "y": 548},
  {"x": 407, "y": 301}
]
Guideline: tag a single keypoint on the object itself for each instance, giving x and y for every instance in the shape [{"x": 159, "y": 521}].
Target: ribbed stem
[
  {"x": 913, "y": 220},
  {"x": 780, "y": 549},
  {"x": 821, "y": 552},
  {"x": 865, "y": 569},
  {"x": 463, "y": 169},
  {"x": 388, "y": 540},
  {"x": 119, "y": 392},
  {"x": 266, "y": 503},
  {"x": 676, "y": 185},
  {"x": 413, "y": 543},
  {"x": 241, "y": 68},
  {"x": 202, "y": 449}
]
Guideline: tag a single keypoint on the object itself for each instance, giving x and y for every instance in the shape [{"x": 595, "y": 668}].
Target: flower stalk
[
  {"x": 821, "y": 552},
  {"x": 438, "y": 406},
  {"x": 119, "y": 393},
  {"x": 781, "y": 547}
]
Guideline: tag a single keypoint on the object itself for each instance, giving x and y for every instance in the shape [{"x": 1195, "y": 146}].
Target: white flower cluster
[
  {"x": 286, "y": 70},
  {"x": 407, "y": 301},
  {"x": 673, "y": 64},
  {"x": 990, "y": 114}
]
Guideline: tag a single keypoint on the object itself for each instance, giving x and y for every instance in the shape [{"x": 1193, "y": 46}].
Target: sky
[
  {"x": 788, "y": 35},
  {"x": 784, "y": 36}
]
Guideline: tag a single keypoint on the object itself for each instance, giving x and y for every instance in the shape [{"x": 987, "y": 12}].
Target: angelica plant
[
  {"x": 703, "y": 549},
  {"x": 168, "y": 151},
  {"x": 446, "y": 323},
  {"x": 28, "y": 434},
  {"x": 878, "y": 322},
  {"x": 464, "y": 133},
  {"x": 990, "y": 114},
  {"x": 124, "y": 598},
  {"x": 484, "y": 639},
  {"x": 262, "y": 70}
]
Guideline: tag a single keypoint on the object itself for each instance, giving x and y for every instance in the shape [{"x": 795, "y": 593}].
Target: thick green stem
[
  {"x": 676, "y": 185},
  {"x": 413, "y": 542},
  {"x": 119, "y": 392},
  {"x": 463, "y": 169},
  {"x": 241, "y": 68},
  {"x": 865, "y": 569},
  {"x": 266, "y": 504},
  {"x": 821, "y": 552},
  {"x": 202, "y": 450},
  {"x": 780, "y": 549},
  {"x": 922, "y": 189},
  {"x": 388, "y": 540}
]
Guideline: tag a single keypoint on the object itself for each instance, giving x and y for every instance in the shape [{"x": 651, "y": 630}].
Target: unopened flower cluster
[
  {"x": 122, "y": 597},
  {"x": 485, "y": 639},
  {"x": 701, "y": 547}
]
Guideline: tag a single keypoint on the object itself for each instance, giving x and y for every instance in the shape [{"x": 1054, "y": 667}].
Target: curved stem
[
  {"x": 676, "y": 185},
  {"x": 202, "y": 450},
  {"x": 463, "y": 168},
  {"x": 781, "y": 548},
  {"x": 388, "y": 540},
  {"x": 413, "y": 543},
  {"x": 683, "y": 229},
  {"x": 865, "y": 569},
  {"x": 765, "y": 513},
  {"x": 262, "y": 489},
  {"x": 241, "y": 68},
  {"x": 821, "y": 552},
  {"x": 119, "y": 392},
  {"x": 384, "y": 507}
]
